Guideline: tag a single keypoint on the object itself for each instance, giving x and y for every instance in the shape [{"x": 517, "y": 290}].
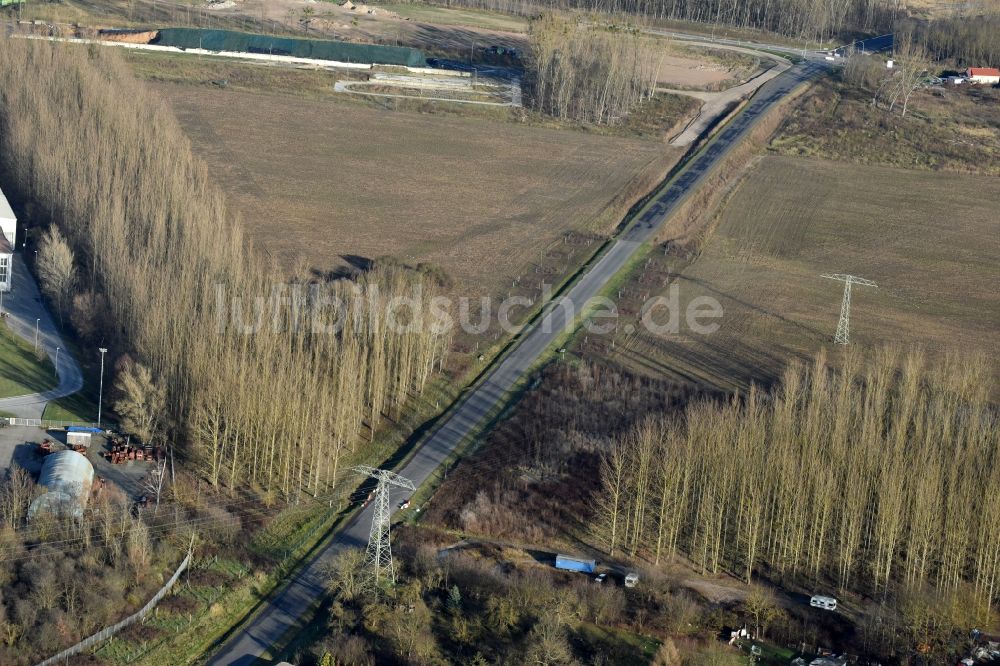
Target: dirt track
[{"x": 717, "y": 104}]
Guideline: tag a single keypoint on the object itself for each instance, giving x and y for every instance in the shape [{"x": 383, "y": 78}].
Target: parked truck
[{"x": 575, "y": 564}]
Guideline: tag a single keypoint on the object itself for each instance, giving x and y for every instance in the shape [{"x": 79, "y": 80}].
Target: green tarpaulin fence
[{"x": 229, "y": 40}]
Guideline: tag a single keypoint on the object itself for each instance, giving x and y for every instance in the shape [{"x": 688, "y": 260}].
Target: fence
[
  {"x": 273, "y": 45},
  {"x": 108, "y": 632},
  {"x": 44, "y": 423}
]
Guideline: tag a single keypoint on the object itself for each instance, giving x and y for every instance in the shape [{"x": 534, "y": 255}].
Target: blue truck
[{"x": 575, "y": 564}]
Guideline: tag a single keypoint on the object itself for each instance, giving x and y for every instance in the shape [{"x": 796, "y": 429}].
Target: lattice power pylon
[
  {"x": 844, "y": 325},
  {"x": 378, "y": 559}
]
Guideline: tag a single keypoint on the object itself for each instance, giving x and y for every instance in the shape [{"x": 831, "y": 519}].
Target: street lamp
[
  {"x": 100, "y": 392},
  {"x": 36, "y": 334}
]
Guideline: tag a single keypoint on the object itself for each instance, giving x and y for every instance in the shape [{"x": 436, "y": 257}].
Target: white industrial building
[
  {"x": 66, "y": 477},
  {"x": 8, "y": 225}
]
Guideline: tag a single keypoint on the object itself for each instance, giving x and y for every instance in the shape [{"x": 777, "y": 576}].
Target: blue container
[{"x": 574, "y": 564}]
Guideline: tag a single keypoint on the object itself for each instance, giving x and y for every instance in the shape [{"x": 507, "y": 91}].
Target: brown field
[
  {"x": 928, "y": 239},
  {"x": 322, "y": 181}
]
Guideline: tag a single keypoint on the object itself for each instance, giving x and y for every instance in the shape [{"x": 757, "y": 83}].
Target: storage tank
[{"x": 66, "y": 478}]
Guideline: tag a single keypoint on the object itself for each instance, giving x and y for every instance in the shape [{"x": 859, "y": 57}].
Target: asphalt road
[
  {"x": 290, "y": 605},
  {"x": 23, "y": 306}
]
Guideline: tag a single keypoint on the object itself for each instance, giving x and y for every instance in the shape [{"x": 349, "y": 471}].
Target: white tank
[{"x": 66, "y": 478}]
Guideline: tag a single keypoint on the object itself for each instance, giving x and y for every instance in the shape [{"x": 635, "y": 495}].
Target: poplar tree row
[
  {"x": 878, "y": 476},
  {"x": 256, "y": 390},
  {"x": 813, "y": 19},
  {"x": 588, "y": 74},
  {"x": 966, "y": 41}
]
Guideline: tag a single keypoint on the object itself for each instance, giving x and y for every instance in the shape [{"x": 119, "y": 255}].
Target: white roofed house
[{"x": 8, "y": 227}]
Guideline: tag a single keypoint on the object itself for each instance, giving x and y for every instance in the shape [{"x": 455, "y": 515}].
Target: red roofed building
[{"x": 983, "y": 75}]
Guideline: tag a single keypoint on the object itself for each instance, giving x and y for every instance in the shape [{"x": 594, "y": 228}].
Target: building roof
[
  {"x": 66, "y": 477},
  {"x": 984, "y": 71},
  {"x": 6, "y": 212}
]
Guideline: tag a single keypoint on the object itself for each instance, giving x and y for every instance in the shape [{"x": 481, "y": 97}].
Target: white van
[{"x": 826, "y": 603}]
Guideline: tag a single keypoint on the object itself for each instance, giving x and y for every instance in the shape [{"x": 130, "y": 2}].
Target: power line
[
  {"x": 471, "y": 467},
  {"x": 378, "y": 558},
  {"x": 201, "y": 521},
  {"x": 844, "y": 325}
]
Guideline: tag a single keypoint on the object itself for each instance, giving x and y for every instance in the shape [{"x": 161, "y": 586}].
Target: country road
[{"x": 289, "y": 606}]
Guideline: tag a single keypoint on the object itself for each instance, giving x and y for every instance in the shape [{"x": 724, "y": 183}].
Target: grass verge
[
  {"x": 81, "y": 406},
  {"x": 22, "y": 371}
]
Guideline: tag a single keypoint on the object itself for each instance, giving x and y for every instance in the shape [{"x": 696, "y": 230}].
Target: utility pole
[
  {"x": 56, "y": 366},
  {"x": 100, "y": 391},
  {"x": 36, "y": 334},
  {"x": 844, "y": 325},
  {"x": 378, "y": 559}
]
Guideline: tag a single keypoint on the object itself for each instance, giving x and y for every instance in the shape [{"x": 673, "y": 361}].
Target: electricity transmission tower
[
  {"x": 378, "y": 559},
  {"x": 844, "y": 325}
]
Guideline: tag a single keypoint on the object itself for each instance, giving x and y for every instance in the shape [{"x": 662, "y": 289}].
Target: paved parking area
[{"x": 19, "y": 444}]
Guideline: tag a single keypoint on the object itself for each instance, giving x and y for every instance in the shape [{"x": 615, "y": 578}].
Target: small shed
[
  {"x": 79, "y": 436},
  {"x": 988, "y": 75},
  {"x": 66, "y": 477}
]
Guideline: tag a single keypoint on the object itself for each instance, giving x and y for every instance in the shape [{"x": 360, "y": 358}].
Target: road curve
[
  {"x": 23, "y": 305},
  {"x": 290, "y": 605}
]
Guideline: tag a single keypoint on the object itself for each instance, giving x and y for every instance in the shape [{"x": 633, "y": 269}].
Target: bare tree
[
  {"x": 911, "y": 71},
  {"x": 56, "y": 268},
  {"x": 141, "y": 402},
  {"x": 153, "y": 484},
  {"x": 346, "y": 574},
  {"x": 15, "y": 494},
  {"x": 877, "y": 477},
  {"x": 592, "y": 74},
  {"x": 763, "y": 608},
  {"x": 157, "y": 248},
  {"x": 614, "y": 478}
]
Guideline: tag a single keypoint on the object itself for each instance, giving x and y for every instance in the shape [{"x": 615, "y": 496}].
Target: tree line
[
  {"x": 877, "y": 478},
  {"x": 589, "y": 74},
  {"x": 819, "y": 19},
  {"x": 148, "y": 260},
  {"x": 967, "y": 41},
  {"x": 890, "y": 89}
]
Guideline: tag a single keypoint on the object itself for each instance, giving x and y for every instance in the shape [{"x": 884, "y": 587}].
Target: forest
[
  {"x": 455, "y": 605},
  {"x": 964, "y": 41},
  {"x": 872, "y": 482},
  {"x": 589, "y": 74},
  {"x": 819, "y": 20},
  {"x": 965, "y": 38},
  {"x": 160, "y": 272},
  {"x": 878, "y": 478}
]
